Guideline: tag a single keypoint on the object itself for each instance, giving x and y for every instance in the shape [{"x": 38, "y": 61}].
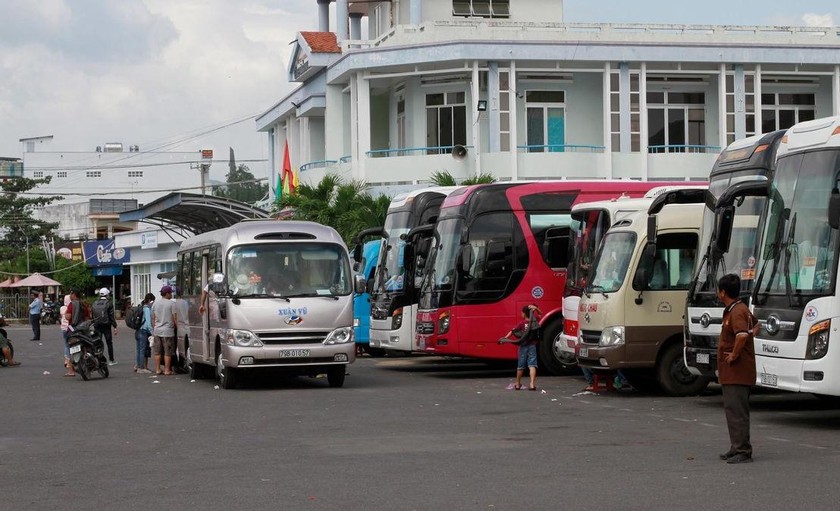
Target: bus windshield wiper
[
  {"x": 790, "y": 248},
  {"x": 598, "y": 289},
  {"x": 310, "y": 295},
  {"x": 261, "y": 295},
  {"x": 775, "y": 252}
]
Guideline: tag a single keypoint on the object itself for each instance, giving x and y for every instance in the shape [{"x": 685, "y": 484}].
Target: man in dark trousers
[
  {"x": 104, "y": 321},
  {"x": 736, "y": 367}
]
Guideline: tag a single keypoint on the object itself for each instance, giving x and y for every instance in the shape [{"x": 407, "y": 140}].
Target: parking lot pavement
[{"x": 403, "y": 433}]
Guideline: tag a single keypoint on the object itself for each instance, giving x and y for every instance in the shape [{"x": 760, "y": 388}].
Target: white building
[
  {"x": 532, "y": 97},
  {"x": 97, "y": 185}
]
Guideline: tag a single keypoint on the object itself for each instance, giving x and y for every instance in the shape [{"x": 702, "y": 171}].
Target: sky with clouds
[{"x": 158, "y": 72}]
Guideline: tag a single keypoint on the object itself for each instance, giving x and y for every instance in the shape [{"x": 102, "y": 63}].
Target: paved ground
[{"x": 403, "y": 433}]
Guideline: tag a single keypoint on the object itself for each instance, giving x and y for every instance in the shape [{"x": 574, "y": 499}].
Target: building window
[
  {"x": 61, "y": 173},
  {"x": 635, "y": 112},
  {"x": 676, "y": 122},
  {"x": 481, "y": 8},
  {"x": 446, "y": 121},
  {"x": 504, "y": 110},
  {"x": 748, "y": 108},
  {"x": 93, "y": 173},
  {"x": 38, "y": 175},
  {"x": 141, "y": 281},
  {"x": 546, "y": 117},
  {"x": 135, "y": 173},
  {"x": 401, "y": 141},
  {"x": 780, "y": 110}
]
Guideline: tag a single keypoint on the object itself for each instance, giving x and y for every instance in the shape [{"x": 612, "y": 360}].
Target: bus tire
[
  {"x": 335, "y": 376},
  {"x": 549, "y": 363},
  {"x": 674, "y": 377},
  {"x": 228, "y": 376}
]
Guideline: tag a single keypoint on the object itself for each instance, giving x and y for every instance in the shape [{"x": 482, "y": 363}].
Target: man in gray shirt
[{"x": 164, "y": 319}]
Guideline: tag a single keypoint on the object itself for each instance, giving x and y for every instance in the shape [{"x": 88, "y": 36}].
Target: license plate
[
  {"x": 294, "y": 353},
  {"x": 769, "y": 379},
  {"x": 702, "y": 358},
  {"x": 75, "y": 349},
  {"x": 584, "y": 352},
  {"x": 421, "y": 343}
]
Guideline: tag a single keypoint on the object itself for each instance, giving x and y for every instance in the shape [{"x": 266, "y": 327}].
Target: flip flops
[{"x": 13, "y": 364}]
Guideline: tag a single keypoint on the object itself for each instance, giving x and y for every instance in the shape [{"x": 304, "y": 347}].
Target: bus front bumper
[{"x": 288, "y": 356}]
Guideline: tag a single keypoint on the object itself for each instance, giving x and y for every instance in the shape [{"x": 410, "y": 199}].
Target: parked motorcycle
[
  {"x": 49, "y": 313},
  {"x": 87, "y": 351},
  {"x": 3, "y": 361}
]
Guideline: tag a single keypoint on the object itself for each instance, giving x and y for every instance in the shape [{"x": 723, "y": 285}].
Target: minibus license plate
[
  {"x": 583, "y": 353},
  {"x": 769, "y": 379},
  {"x": 75, "y": 349},
  {"x": 294, "y": 353},
  {"x": 702, "y": 358}
]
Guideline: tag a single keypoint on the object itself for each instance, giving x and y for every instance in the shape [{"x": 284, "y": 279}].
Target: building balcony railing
[
  {"x": 320, "y": 164},
  {"x": 412, "y": 151},
  {"x": 703, "y": 149},
  {"x": 561, "y": 148}
]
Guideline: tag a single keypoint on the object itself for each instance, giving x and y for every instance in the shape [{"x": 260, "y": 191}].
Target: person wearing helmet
[{"x": 104, "y": 321}]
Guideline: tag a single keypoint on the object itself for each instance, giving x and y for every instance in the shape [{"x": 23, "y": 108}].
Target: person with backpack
[
  {"x": 142, "y": 332},
  {"x": 526, "y": 335},
  {"x": 104, "y": 321}
]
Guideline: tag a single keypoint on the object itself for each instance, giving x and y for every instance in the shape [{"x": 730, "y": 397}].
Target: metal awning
[{"x": 192, "y": 212}]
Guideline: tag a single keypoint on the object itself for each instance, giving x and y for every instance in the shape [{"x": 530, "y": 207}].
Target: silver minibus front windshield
[
  {"x": 612, "y": 262},
  {"x": 288, "y": 269},
  {"x": 799, "y": 253}
]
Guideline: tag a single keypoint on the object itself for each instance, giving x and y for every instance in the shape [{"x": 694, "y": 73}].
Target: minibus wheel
[
  {"x": 335, "y": 376},
  {"x": 227, "y": 375},
  {"x": 674, "y": 376},
  {"x": 549, "y": 363}
]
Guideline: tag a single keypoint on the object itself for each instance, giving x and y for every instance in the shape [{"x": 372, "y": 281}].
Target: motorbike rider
[
  {"x": 104, "y": 321},
  {"x": 7, "y": 352}
]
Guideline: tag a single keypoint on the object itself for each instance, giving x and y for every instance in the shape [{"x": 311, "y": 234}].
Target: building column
[
  {"x": 494, "y": 121},
  {"x": 514, "y": 131},
  {"x": 476, "y": 131},
  {"x": 341, "y": 15},
  {"x": 272, "y": 164},
  {"x": 607, "y": 120},
  {"x": 722, "y": 107},
  {"x": 324, "y": 15},
  {"x": 415, "y": 12},
  {"x": 624, "y": 106},
  {"x": 355, "y": 26},
  {"x": 643, "y": 120},
  {"x": 757, "y": 98},
  {"x": 360, "y": 123}
]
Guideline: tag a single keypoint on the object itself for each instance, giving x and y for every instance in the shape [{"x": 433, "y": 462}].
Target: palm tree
[
  {"x": 346, "y": 207},
  {"x": 444, "y": 178}
]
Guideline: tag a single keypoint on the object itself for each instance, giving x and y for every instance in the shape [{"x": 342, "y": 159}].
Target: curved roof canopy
[{"x": 193, "y": 212}]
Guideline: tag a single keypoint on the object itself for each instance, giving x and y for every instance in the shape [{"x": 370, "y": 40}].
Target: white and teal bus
[
  {"x": 795, "y": 295},
  {"x": 279, "y": 294}
]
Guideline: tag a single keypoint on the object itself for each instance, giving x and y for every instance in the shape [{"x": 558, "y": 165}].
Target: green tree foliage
[
  {"x": 242, "y": 186},
  {"x": 18, "y": 229},
  {"x": 346, "y": 207},
  {"x": 444, "y": 178},
  {"x": 74, "y": 275}
]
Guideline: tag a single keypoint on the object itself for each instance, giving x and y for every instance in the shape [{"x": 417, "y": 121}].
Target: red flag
[{"x": 285, "y": 177}]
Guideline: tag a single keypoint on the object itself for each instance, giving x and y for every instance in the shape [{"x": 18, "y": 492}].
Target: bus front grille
[
  {"x": 290, "y": 338},
  {"x": 590, "y": 336}
]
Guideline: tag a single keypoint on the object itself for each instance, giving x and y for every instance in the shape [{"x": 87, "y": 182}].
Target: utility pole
[{"x": 203, "y": 167}]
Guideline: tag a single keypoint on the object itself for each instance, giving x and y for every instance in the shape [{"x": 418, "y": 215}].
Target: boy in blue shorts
[{"x": 526, "y": 335}]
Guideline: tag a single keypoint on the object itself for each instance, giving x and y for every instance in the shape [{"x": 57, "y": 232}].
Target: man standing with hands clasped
[
  {"x": 736, "y": 367},
  {"x": 164, "y": 319}
]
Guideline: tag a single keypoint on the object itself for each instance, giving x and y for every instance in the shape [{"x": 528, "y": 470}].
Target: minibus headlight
[
  {"x": 397, "y": 319},
  {"x": 341, "y": 335},
  {"x": 443, "y": 322},
  {"x": 612, "y": 336},
  {"x": 243, "y": 338},
  {"x": 818, "y": 340}
]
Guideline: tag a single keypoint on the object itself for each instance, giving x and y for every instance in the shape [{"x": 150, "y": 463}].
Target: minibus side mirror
[
  {"x": 834, "y": 209},
  {"x": 723, "y": 228},
  {"x": 641, "y": 279},
  {"x": 359, "y": 284}
]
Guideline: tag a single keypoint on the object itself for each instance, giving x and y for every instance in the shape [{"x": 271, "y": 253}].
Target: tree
[
  {"x": 348, "y": 208},
  {"x": 242, "y": 186},
  {"x": 19, "y": 231},
  {"x": 444, "y": 178},
  {"x": 73, "y": 275}
]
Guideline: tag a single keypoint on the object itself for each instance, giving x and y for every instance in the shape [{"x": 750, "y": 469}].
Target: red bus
[{"x": 499, "y": 247}]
